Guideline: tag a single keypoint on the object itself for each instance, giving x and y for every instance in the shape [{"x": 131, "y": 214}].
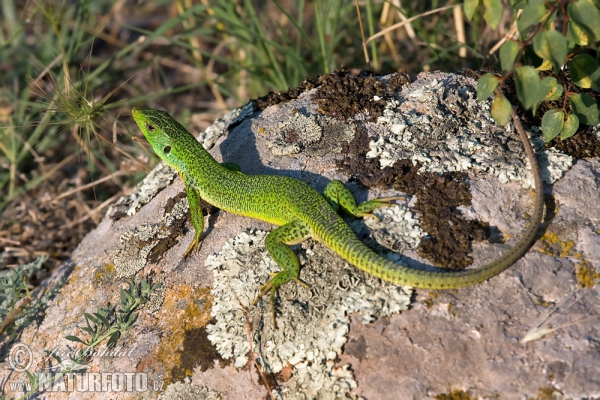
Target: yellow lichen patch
[
  {"x": 74, "y": 275},
  {"x": 566, "y": 248},
  {"x": 428, "y": 303},
  {"x": 551, "y": 237},
  {"x": 541, "y": 302},
  {"x": 184, "y": 346},
  {"x": 455, "y": 395},
  {"x": 553, "y": 246},
  {"x": 550, "y": 244},
  {"x": 432, "y": 296},
  {"x": 104, "y": 274},
  {"x": 451, "y": 309},
  {"x": 547, "y": 393},
  {"x": 586, "y": 274},
  {"x": 191, "y": 306},
  {"x": 508, "y": 236}
]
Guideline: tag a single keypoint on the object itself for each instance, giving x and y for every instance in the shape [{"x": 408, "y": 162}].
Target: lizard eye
[
  {"x": 167, "y": 149},
  {"x": 150, "y": 127}
]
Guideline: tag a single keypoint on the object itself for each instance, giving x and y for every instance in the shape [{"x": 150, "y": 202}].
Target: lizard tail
[{"x": 354, "y": 251}]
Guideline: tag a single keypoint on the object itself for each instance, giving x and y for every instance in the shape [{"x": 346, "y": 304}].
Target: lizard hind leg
[
  {"x": 338, "y": 195},
  {"x": 277, "y": 242}
]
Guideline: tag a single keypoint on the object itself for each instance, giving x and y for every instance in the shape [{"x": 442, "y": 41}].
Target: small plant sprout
[{"x": 111, "y": 321}]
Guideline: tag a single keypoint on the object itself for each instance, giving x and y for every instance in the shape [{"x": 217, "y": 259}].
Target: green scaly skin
[{"x": 301, "y": 212}]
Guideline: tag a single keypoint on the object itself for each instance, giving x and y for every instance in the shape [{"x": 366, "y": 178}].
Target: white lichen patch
[
  {"x": 312, "y": 323},
  {"x": 444, "y": 128},
  {"x": 209, "y": 137},
  {"x": 184, "y": 390},
  {"x": 137, "y": 243},
  {"x": 335, "y": 132},
  {"x": 395, "y": 228},
  {"x": 554, "y": 162},
  {"x": 156, "y": 299},
  {"x": 313, "y": 135},
  {"x": 293, "y": 134},
  {"x": 159, "y": 178}
]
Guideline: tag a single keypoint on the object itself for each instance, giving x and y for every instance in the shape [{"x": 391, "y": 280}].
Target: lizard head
[{"x": 165, "y": 135}]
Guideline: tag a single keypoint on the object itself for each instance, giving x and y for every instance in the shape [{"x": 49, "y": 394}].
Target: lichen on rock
[
  {"x": 156, "y": 180},
  {"x": 395, "y": 228},
  {"x": 139, "y": 242},
  {"x": 444, "y": 128},
  {"x": 184, "y": 390},
  {"x": 314, "y": 135},
  {"x": 209, "y": 137},
  {"x": 312, "y": 323}
]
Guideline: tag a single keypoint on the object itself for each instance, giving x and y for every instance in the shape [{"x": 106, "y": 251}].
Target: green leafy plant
[
  {"x": 15, "y": 298},
  {"x": 564, "y": 35},
  {"x": 110, "y": 321},
  {"x": 107, "y": 322}
]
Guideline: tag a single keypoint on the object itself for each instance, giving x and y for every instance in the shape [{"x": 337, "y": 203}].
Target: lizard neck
[{"x": 196, "y": 165}]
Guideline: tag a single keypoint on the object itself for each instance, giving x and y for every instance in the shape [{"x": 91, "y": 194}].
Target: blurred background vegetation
[{"x": 70, "y": 71}]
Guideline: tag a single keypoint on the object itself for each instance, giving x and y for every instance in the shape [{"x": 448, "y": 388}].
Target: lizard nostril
[
  {"x": 150, "y": 127},
  {"x": 167, "y": 149}
]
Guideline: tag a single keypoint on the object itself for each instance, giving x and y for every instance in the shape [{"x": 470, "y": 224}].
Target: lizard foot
[
  {"x": 365, "y": 209},
  {"x": 272, "y": 285},
  {"x": 195, "y": 245}
]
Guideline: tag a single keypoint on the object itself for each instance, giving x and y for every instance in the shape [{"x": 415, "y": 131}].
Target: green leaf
[
  {"x": 54, "y": 355},
  {"x": 551, "y": 88},
  {"x": 545, "y": 66},
  {"x": 585, "y": 71},
  {"x": 130, "y": 320},
  {"x": 89, "y": 317},
  {"x": 508, "y": 54},
  {"x": 569, "y": 127},
  {"x": 532, "y": 14},
  {"x": 552, "y": 46},
  {"x": 518, "y": 4},
  {"x": 501, "y": 110},
  {"x": 74, "y": 339},
  {"x": 103, "y": 319},
  {"x": 552, "y": 124},
  {"x": 577, "y": 34},
  {"x": 486, "y": 86},
  {"x": 493, "y": 12},
  {"x": 113, "y": 339},
  {"x": 529, "y": 86},
  {"x": 469, "y": 7},
  {"x": 586, "y": 16},
  {"x": 585, "y": 108}
]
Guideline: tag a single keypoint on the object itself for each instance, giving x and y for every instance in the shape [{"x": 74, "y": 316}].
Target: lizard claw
[
  {"x": 272, "y": 285},
  {"x": 195, "y": 245}
]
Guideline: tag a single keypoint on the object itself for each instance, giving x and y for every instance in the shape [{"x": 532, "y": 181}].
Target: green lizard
[{"x": 301, "y": 212}]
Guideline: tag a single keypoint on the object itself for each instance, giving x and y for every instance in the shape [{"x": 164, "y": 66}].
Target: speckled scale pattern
[{"x": 283, "y": 200}]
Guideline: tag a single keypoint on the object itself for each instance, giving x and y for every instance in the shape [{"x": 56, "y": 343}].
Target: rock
[{"x": 350, "y": 334}]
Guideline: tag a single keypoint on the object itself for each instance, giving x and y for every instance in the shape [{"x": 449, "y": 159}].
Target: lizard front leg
[
  {"x": 196, "y": 211},
  {"x": 197, "y": 218},
  {"x": 277, "y": 242}
]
